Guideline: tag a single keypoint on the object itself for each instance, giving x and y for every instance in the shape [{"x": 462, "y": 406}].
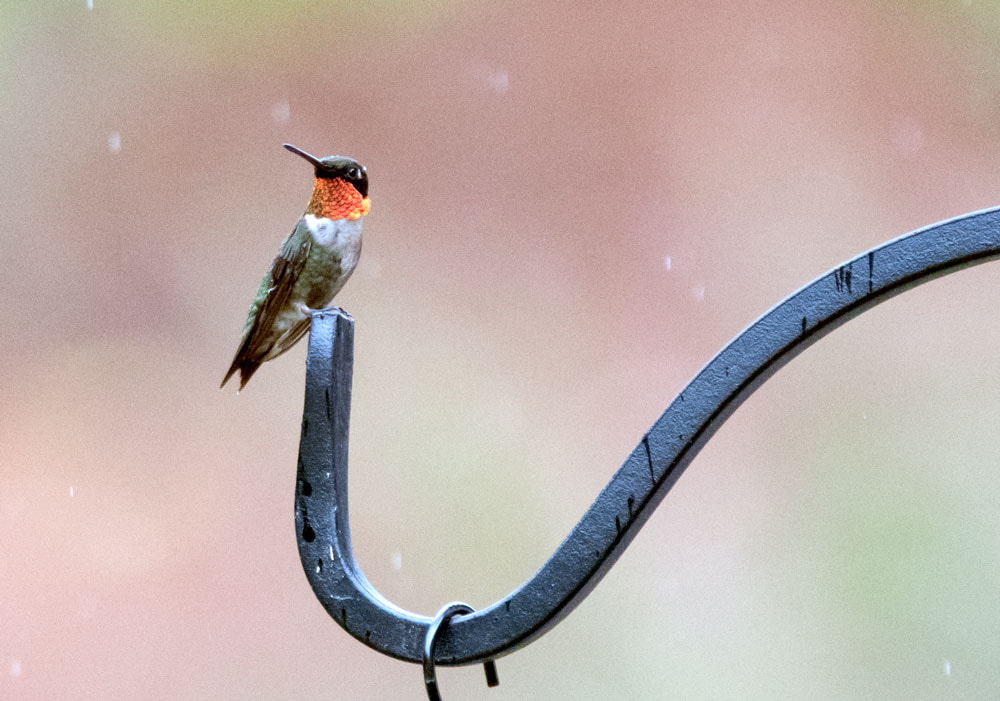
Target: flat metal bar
[{"x": 624, "y": 505}]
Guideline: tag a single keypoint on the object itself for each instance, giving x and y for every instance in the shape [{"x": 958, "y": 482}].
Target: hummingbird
[{"x": 311, "y": 267}]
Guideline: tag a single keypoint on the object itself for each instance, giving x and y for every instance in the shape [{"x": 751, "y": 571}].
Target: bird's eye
[{"x": 354, "y": 173}]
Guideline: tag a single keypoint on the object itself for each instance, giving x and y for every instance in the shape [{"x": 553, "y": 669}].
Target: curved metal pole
[{"x": 624, "y": 505}]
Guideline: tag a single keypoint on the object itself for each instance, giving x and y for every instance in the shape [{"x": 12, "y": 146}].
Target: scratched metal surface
[{"x": 628, "y": 500}]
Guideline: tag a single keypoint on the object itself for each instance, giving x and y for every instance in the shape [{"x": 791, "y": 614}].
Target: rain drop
[
  {"x": 115, "y": 142},
  {"x": 281, "y": 112},
  {"x": 499, "y": 80}
]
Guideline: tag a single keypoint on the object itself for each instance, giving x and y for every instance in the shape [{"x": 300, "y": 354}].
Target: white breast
[{"x": 342, "y": 236}]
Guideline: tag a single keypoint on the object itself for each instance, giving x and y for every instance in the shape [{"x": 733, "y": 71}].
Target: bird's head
[{"x": 341, "y": 187}]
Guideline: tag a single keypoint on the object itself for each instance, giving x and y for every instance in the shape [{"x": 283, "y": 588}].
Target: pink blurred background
[{"x": 574, "y": 208}]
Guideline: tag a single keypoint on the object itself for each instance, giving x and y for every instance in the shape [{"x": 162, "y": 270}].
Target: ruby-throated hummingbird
[{"x": 313, "y": 264}]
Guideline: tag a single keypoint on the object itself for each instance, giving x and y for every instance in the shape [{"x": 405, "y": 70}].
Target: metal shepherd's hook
[{"x": 624, "y": 505}]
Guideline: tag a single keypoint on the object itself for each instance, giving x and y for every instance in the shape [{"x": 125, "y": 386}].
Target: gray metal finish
[
  {"x": 628, "y": 500},
  {"x": 447, "y": 612}
]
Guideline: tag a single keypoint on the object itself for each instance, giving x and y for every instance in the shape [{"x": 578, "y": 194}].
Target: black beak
[{"x": 308, "y": 156}]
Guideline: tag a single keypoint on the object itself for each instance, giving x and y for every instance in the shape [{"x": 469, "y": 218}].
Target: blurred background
[{"x": 573, "y": 210}]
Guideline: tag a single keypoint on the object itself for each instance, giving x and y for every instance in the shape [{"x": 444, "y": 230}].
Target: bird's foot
[
  {"x": 308, "y": 311},
  {"x": 338, "y": 310}
]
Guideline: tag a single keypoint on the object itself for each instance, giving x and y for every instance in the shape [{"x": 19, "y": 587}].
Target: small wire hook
[{"x": 440, "y": 621}]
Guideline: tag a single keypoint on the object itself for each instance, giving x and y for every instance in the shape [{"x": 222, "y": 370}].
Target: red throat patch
[{"x": 337, "y": 199}]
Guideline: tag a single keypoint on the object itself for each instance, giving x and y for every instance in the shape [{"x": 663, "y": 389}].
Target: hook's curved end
[{"x": 321, "y": 522}]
